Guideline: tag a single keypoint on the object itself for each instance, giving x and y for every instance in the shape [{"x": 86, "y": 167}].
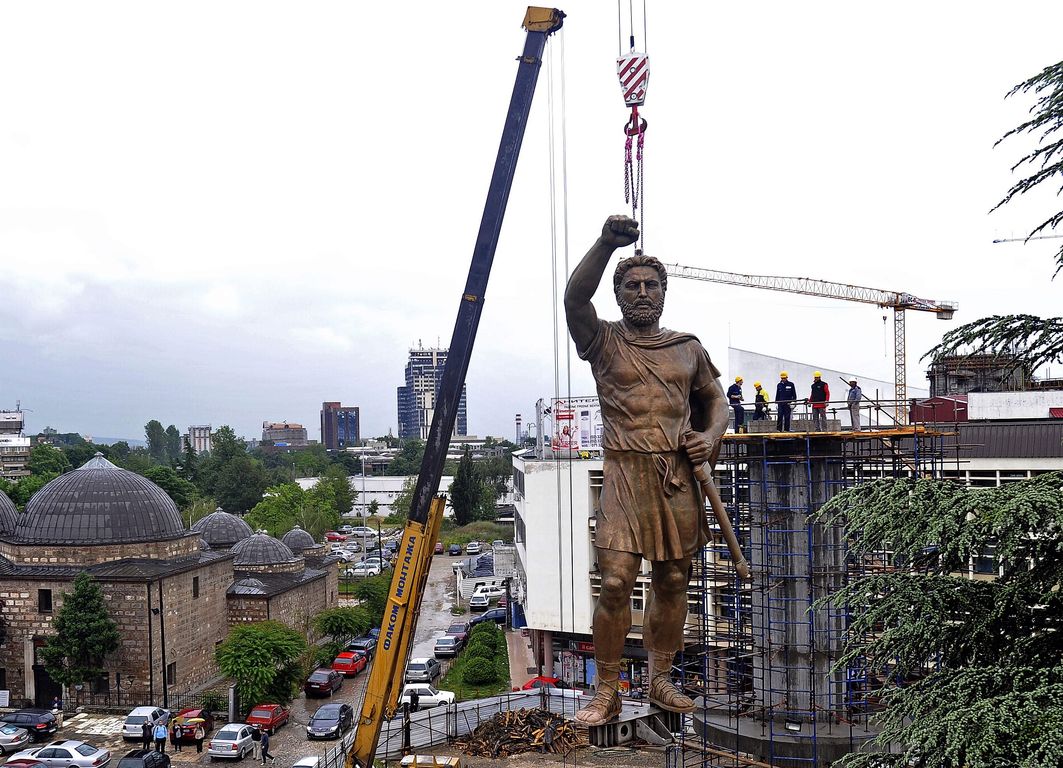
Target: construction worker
[
  {"x": 734, "y": 397},
  {"x": 852, "y": 399},
  {"x": 785, "y": 394},
  {"x": 819, "y": 396},
  {"x": 761, "y": 400}
]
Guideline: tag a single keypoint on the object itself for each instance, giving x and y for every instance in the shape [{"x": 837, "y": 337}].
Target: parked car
[
  {"x": 472, "y": 548},
  {"x": 497, "y": 543},
  {"x": 346, "y": 530},
  {"x": 334, "y": 536},
  {"x": 363, "y": 531},
  {"x": 268, "y": 717},
  {"x": 27, "y": 763},
  {"x": 310, "y": 761},
  {"x": 330, "y": 721},
  {"x": 497, "y": 615},
  {"x": 424, "y": 669},
  {"x": 439, "y": 548},
  {"x": 232, "y": 741},
  {"x": 427, "y": 695},
  {"x": 362, "y": 570},
  {"x": 143, "y": 758},
  {"x": 454, "y": 550},
  {"x": 542, "y": 681},
  {"x": 66, "y": 754},
  {"x": 131, "y": 728},
  {"x": 374, "y": 632},
  {"x": 459, "y": 629},
  {"x": 188, "y": 719},
  {"x": 365, "y": 644},
  {"x": 323, "y": 681},
  {"x": 350, "y": 663},
  {"x": 39, "y": 722},
  {"x": 492, "y": 591},
  {"x": 447, "y": 645},
  {"x": 12, "y": 738}
]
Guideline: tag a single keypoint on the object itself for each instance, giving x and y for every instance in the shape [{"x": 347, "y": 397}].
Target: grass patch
[
  {"x": 454, "y": 680},
  {"x": 481, "y": 530}
]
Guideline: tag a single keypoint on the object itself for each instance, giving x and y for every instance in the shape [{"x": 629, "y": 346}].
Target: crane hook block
[{"x": 634, "y": 73}]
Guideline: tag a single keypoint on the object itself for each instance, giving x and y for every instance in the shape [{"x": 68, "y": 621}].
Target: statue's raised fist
[{"x": 620, "y": 231}]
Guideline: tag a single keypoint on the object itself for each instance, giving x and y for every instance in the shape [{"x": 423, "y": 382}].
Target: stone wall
[{"x": 86, "y": 555}]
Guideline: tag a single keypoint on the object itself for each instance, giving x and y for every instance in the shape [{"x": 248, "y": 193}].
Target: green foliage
[
  {"x": 497, "y": 681},
  {"x": 285, "y": 506},
  {"x": 373, "y": 592},
  {"x": 972, "y": 669},
  {"x": 263, "y": 659},
  {"x": 489, "y": 632},
  {"x": 189, "y": 463},
  {"x": 464, "y": 492},
  {"x": 479, "y": 671},
  {"x": 481, "y": 651},
  {"x": 374, "y": 507},
  {"x": 46, "y": 460},
  {"x": 400, "y": 507},
  {"x": 481, "y": 530},
  {"x": 1045, "y": 162},
  {"x": 225, "y": 445},
  {"x": 212, "y": 701},
  {"x": 156, "y": 437},
  {"x": 239, "y": 484},
  {"x": 198, "y": 509},
  {"x": 173, "y": 443},
  {"x": 343, "y": 624},
  {"x": 408, "y": 460},
  {"x": 181, "y": 491},
  {"x": 23, "y": 490},
  {"x": 1028, "y": 341},
  {"x": 336, "y": 484},
  {"x": 85, "y": 635}
]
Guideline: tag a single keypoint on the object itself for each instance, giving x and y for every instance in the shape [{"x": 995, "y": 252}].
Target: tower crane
[{"x": 899, "y": 302}]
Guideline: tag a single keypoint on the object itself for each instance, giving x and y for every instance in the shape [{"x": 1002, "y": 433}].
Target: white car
[
  {"x": 483, "y": 597},
  {"x": 362, "y": 569},
  {"x": 66, "y": 754},
  {"x": 134, "y": 721},
  {"x": 427, "y": 695},
  {"x": 233, "y": 740},
  {"x": 472, "y": 548}
]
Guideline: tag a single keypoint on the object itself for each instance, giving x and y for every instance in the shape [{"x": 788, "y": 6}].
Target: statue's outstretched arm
[{"x": 618, "y": 231}]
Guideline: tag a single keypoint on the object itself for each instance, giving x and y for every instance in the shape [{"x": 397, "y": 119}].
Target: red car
[
  {"x": 188, "y": 719},
  {"x": 350, "y": 663},
  {"x": 542, "y": 681},
  {"x": 333, "y": 536},
  {"x": 323, "y": 681},
  {"x": 439, "y": 548},
  {"x": 268, "y": 717},
  {"x": 25, "y": 763}
]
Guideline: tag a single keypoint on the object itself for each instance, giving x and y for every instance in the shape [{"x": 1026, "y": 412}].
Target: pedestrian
[
  {"x": 265, "y": 748},
  {"x": 199, "y": 735},
  {"x": 819, "y": 397},
  {"x": 145, "y": 734},
  {"x": 415, "y": 700},
  {"x": 160, "y": 738},
  {"x": 256, "y": 740},
  {"x": 734, "y": 397},
  {"x": 785, "y": 394},
  {"x": 761, "y": 402},
  {"x": 853, "y": 400},
  {"x": 175, "y": 737}
]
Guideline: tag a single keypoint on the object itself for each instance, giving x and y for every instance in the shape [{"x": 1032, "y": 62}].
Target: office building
[
  {"x": 284, "y": 434},
  {"x": 341, "y": 426},
  {"x": 199, "y": 437},
  {"x": 417, "y": 399},
  {"x": 14, "y": 446}
]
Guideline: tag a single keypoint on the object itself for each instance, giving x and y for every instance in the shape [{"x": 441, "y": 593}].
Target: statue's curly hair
[{"x": 639, "y": 260}]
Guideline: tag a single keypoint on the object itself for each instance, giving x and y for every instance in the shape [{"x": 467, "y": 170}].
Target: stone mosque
[{"x": 174, "y": 592}]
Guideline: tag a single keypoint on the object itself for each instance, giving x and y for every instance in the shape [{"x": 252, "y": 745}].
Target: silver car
[
  {"x": 233, "y": 740},
  {"x": 62, "y": 754},
  {"x": 134, "y": 721},
  {"x": 423, "y": 670},
  {"x": 12, "y": 738}
]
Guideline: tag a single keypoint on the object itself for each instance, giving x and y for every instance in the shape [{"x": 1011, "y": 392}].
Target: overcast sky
[{"x": 229, "y": 212}]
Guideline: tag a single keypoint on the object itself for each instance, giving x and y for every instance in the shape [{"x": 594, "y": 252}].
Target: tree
[
  {"x": 972, "y": 670},
  {"x": 339, "y": 486},
  {"x": 173, "y": 443},
  {"x": 408, "y": 460},
  {"x": 373, "y": 594},
  {"x": 189, "y": 463},
  {"x": 350, "y": 463},
  {"x": 374, "y": 505},
  {"x": 225, "y": 445},
  {"x": 23, "y": 490},
  {"x": 401, "y": 505},
  {"x": 85, "y": 635},
  {"x": 284, "y": 506},
  {"x": 1046, "y": 161},
  {"x": 46, "y": 460},
  {"x": 343, "y": 624},
  {"x": 239, "y": 484},
  {"x": 156, "y": 437},
  {"x": 471, "y": 498},
  {"x": 200, "y": 507},
  {"x": 182, "y": 492},
  {"x": 263, "y": 659}
]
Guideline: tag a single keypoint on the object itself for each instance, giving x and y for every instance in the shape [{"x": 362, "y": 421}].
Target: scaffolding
[{"x": 762, "y": 663}]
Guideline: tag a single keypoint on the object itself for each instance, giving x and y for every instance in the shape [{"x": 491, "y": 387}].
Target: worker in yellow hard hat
[
  {"x": 785, "y": 394},
  {"x": 760, "y": 402},
  {"x": 819, "y": 398},
  {"x": 734, "y": 397}
]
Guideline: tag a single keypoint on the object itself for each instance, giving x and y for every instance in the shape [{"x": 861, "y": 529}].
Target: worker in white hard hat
[
  {"x": 734, "y": 398},
  {"x": 761, "y": 402},
  {"x": 852, "y": 399},
  {"x": 785, "y": 394},
  {"x": 819, "y": 397}
]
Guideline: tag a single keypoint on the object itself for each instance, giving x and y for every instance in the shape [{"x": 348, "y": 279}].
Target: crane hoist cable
[{"x": 633, "y": 70}]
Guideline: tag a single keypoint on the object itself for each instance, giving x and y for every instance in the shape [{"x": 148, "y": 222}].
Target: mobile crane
[{"x": 426, "y": 508}]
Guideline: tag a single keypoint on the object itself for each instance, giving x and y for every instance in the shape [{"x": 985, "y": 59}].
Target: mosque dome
[
  {"x": 261, "y": 549},
  {"x": 99, "y": 503},
  {"x": 297, "y": 540},
  {"x": 221, "y": 529},
  {"x": 8, "y": 515}
]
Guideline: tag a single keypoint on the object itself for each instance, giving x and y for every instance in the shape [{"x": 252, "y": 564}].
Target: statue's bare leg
[
  {"x": 663, "y": 632},
  {"x": 612, "y": 621}
]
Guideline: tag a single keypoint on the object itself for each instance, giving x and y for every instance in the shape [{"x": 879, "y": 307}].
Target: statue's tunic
[{"x": 651, "y": 504}]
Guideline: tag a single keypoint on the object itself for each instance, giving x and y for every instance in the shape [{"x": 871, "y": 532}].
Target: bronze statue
[{"x": 663, "y": 411}]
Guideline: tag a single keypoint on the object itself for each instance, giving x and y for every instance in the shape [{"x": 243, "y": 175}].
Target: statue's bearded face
[{"x": 641, "y": 296}]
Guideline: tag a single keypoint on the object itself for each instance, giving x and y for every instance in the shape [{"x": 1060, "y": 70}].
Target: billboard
[{"x": 575, "y": 424}]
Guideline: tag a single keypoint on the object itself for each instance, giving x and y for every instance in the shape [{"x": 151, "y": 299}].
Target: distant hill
[{"x": 132, "y": 441}]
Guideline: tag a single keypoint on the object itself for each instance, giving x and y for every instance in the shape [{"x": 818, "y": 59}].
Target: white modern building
[
  {"x": 200, "y": 437},
  {"x": 14, "y": 446},
  {"x": 383, "y": 489}
]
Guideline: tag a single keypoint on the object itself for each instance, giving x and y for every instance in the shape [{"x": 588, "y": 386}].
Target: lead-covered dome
[
  {"x": 260, "y": 550},
  {"x": 297, "y": 540},
  {"x": 99, "y": 503},
  {"x": 8, "y": 515},
  {"x": 221, "y": 529}
]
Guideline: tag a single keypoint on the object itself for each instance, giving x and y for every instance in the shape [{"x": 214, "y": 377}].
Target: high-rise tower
[{"x": 416, "y": 399}]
